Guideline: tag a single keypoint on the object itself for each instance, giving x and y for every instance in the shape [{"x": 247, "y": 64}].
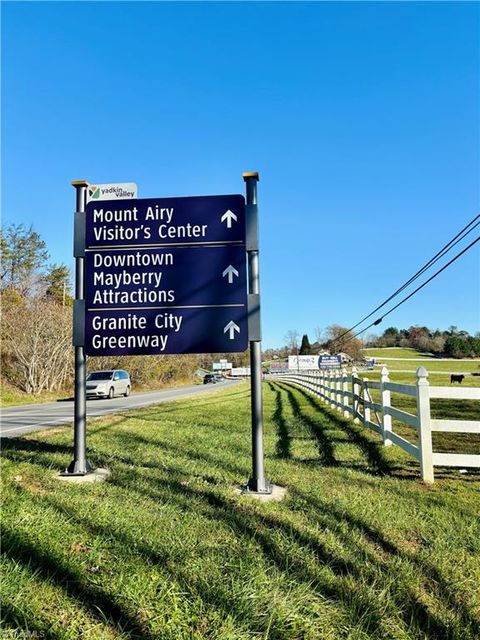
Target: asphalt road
[{"x": 17, "y": 421}]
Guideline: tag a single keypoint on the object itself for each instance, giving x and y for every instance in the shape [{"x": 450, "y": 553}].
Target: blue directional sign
[
  {"x": 166, "y": 331},
  {"x": 171, "y": 276},
  {"x": 165, "y": 276},
  {"x": 161, "y": 221}
]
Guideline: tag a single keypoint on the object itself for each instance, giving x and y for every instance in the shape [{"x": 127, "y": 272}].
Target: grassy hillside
[
  {"x": 12, "y": 397},
  {"x": 441, "y": 408},
  {"x": 166, "y": 550},
  {"x": 410, "y": 360},
  {"x": 395, "y": 352},
  {"x": 433, "y": 366},
  {"x": 410, "y": 376}
]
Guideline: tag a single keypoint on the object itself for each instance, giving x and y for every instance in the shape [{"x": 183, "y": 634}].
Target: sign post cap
[
  {"x": 250, "y": 174},
  {"x": 80, "y": 183}
]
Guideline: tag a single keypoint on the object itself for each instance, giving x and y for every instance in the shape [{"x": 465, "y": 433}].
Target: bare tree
[
  {"x": 319, "y": 335},
  {"x": 292, "y": 339},
  {"x": 37, "y": 334},
  {"x": 341, "y": 339}
]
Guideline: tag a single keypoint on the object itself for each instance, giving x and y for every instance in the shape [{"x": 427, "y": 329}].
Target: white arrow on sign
[
  {"x": 228, "y": 216},
  {"x": 231, "y": 328},
  {"x": 230, "y": 272}
]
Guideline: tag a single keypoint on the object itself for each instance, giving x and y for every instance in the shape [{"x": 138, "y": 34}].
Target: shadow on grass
[
  {"x": 319, "y": 429},
  {"x": 266, "y": 533},
  {"x": 284, "y": 439},
  {"x": 332, "y": 573},
  {"x": 436, "y": 584},
  {"x": 305, "y": 559},
  {"x": 326, "y": 421},
  {"x": 17, "y": 624},
  {"x": 171, "y": 449},
  {"x": 374, "y": 450},
  {"x": 97, "y": 601},
  {"x": 33, "y": 446},
  {"x": 43, "y": 454},
  {"x": 37, "y": 452}
]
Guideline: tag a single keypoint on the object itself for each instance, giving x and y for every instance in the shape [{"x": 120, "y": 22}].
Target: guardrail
[{"x": 350, "y": 395}]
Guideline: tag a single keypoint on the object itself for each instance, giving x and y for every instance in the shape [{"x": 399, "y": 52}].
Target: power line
[
  {"x": 413, "y": 292},
  {"x": 443, "y": 251}
]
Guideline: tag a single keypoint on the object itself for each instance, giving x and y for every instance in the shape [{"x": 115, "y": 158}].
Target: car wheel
[
  {"x": 110, "y": 393},
  {"x": 127, "y": 392}
]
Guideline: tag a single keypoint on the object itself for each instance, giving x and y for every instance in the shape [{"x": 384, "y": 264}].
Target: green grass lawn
[
  {"x": 12, "y": 397},
  {"x": 440, "y": 408},
  {"x": 389, "y": 354},
  {"x": 448, "y": 366},
  {"x": 434, "y": 378},
  {"x": 395, "y": 352},
  {"x": 166, "y": 550}
]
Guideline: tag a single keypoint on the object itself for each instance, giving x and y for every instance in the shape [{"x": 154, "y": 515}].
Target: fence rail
[{"x": 350, "y": 394}]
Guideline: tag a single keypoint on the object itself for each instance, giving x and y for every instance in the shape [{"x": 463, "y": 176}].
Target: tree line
[
  {"x": 451, "y": 343},
  {"x": 36, "y": 328},
  {"x": 36, "y": 313}
]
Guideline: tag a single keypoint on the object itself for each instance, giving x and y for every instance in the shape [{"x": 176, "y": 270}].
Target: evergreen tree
[
  {"x": 305, "y": 348},
  {"x": 57, "y": 281}
]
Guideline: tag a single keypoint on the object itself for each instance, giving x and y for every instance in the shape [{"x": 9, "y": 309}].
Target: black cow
[{"x": 456, "y": 378}]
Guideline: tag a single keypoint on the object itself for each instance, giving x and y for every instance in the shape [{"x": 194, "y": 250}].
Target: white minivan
[{"x": 106, "y": 384}]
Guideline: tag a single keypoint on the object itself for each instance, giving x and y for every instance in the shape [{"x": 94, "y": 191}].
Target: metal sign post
[
  {"x": 257, "y": 482},
  {"x": 79, "y": 465}
]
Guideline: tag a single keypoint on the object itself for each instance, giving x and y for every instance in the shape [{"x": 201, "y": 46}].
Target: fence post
[
  {"x": 424, "y": 426},
  {"x": 338, "y": 385},
  {"x": 345, "y": 392},
  {"x": 365, "y": 396},
  {"x": 355, "y": 395},
  {"x": 331, "y": 382},
  {"x": 386, "y": 403}
]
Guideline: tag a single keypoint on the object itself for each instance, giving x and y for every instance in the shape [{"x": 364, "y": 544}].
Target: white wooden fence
[{"x": 350, "y": 394}]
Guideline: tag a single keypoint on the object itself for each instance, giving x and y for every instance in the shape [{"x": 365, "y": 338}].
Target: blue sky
[{"x": 362, "y": 119}]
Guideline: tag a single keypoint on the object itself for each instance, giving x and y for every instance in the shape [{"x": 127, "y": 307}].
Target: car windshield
[{"x": 100, "y": 375}]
